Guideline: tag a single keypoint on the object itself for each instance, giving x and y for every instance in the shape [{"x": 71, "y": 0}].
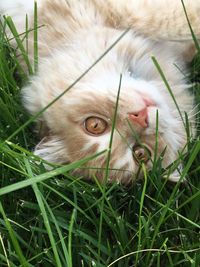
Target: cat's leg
[{"x": 158, "y": 19}]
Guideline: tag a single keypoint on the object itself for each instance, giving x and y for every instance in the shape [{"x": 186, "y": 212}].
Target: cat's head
[{"x": 80, "y": 122}]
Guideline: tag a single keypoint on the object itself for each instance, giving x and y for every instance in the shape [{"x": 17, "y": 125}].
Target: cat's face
[{"x": 81, "y": 124}]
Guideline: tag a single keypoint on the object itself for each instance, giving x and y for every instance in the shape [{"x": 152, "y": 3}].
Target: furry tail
[{"x": 158, "y": 19}]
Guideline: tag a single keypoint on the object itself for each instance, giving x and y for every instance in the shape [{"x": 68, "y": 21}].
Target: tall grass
[{"x": 51, "y": 218}]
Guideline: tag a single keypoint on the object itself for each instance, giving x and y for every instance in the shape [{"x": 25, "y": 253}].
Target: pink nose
[{"x": 140, "y": 117}]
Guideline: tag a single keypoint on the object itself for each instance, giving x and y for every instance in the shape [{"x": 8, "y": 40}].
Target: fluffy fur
[{"x": 74, "y": 35}]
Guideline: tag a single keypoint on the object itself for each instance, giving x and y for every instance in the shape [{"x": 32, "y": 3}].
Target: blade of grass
[
  {"x": 35, "y": 37},
  {"x": 112, "y": 132},
  {"x": 3, "y": 259},
  {"x": 64, "y": 248},
  {"x": 169, "y": 256},
  {"x": 194, "y": 153},
  {"x": 4, "y": 250},
  {"x": 93, "y": 241},
  {"x": 27, "y": 33},
  {"x": 191, "y": 30},
  {"x": 107, "y": 168},
  {"x": 45, "y": 176},
  {"x": 156, "y": 143},
  {"x": 69, "y": 201},
  {"x": 12, "y": 168},
  {"x": 70, "y": 237},
  {"x": 140, "y": 212},
  {"x": 152, "y": 250},
  {"x": 175, "y": 212},
  {"x": 44, "y": 215},
  {"x": 13, "y": 238},
  {"x": 167, "y": 86},
  {"x": 13, "y": 30}
]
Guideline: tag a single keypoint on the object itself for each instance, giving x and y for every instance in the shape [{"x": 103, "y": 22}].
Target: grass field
[{"x": 50, "y": 218}]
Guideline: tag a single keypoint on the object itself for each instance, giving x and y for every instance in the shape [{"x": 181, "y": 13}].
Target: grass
[{"x": 51, "y": 218}]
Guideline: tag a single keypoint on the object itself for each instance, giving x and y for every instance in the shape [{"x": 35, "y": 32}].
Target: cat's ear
[
  {"x": 51, "y": 149},
  {"x": 176, "y": 175}
]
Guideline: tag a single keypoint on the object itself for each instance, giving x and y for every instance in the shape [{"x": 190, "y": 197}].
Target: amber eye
[
  {"x": 141, "y": 153},
  {"x": 95, "y": 125}
]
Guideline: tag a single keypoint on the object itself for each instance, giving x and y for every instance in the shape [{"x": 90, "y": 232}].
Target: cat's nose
[{"x": 140, "y": 117}]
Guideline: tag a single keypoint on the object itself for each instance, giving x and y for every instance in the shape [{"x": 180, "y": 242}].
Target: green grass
[{"x": 55, "y": 219}]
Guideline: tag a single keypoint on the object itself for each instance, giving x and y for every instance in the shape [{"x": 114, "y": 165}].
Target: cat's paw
[{"x": 51, "y": 149}]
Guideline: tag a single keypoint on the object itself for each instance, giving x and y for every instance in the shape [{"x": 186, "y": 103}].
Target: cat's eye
[
  {"x": 95, "y": 125},
  {"x": 141, "y": 154}
]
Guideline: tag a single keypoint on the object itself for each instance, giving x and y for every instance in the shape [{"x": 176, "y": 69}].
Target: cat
[{"x": 73, "y": 35}]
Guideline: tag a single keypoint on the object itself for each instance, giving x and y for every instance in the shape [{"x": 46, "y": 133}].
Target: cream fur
[{"x": 75, "y": 35}]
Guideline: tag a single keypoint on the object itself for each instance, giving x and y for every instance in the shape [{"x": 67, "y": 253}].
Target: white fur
[{"x": 71, "y": 44}]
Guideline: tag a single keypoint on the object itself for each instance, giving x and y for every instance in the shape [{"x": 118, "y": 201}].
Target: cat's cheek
[
  {"x": 158, "y": 119},
  {"x": 102, "y": 141}
]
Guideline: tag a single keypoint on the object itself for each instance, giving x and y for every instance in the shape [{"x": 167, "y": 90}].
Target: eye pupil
[
  {"x": 140, "y": 155},
  {"x": 95, "y": 125}
]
